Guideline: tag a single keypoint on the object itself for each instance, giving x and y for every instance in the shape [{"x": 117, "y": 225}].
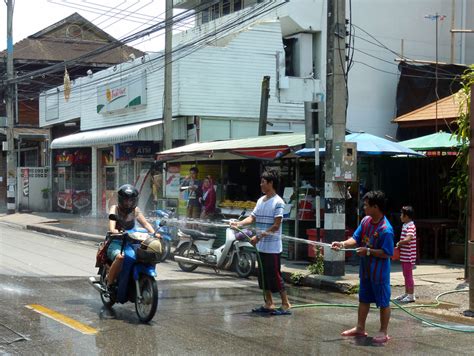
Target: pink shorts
[{"x": 407, "y": 268}]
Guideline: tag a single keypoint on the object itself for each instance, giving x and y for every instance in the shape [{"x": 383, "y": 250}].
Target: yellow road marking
[{"x": 63, "y": 319}]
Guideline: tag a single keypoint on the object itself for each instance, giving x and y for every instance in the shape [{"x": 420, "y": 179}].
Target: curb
[{"x": 51, "y": 230}]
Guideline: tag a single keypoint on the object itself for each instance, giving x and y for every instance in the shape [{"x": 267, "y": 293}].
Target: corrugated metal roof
[
  {"x": 448, "y": 109},
  {"x": 147, "y": 131},
  {"x": 285, "y": 141}
]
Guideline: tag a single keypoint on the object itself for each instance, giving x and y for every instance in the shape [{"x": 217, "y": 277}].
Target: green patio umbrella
[{"x": 437, "y": 141}]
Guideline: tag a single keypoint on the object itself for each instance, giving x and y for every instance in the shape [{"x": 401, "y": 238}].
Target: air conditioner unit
[{"x": 3, "y": 121}]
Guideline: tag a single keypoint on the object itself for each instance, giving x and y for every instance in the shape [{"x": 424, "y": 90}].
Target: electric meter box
[{"x": 345, "y": 162}]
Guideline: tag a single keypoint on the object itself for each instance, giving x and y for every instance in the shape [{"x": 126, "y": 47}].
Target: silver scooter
[{"x": 195, "y": 249}]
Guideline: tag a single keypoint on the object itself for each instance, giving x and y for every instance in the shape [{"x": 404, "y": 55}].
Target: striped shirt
[
  {"x": 408, "y": 252},
  {"x": 265, "y": 213},
  {"x": 377, "y": 236}
]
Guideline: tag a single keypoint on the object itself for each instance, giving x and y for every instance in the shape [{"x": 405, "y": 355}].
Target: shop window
[
  {"x": 237, "y": 5},
  {"x": 289, "y": 44},
  {"x": 225, "y": 7}
]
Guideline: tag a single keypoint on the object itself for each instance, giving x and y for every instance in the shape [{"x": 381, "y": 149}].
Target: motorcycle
[
  {"x": 161, "y": 227},
  {"x": 136, "y": 282},
  {"x": 195, "y": 249}
]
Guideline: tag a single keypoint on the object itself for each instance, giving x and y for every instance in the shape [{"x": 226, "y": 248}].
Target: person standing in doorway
[
  {"x": 407, "y": 246},
  {"x": 374, "y": 241},
  {"x": 267, "y": 216},
  {"x": 193, "y": 187}
]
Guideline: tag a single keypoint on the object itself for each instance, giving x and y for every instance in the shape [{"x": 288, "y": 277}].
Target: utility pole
[
  {"x": 437, "y": 17},
  {"x": 262, "y": 123},
  {"x": 334, "y": 216},
  {"x": 168, "y": 106},
  {"x": 470, "y": 249},
  {"x": 11, "y": 159}
]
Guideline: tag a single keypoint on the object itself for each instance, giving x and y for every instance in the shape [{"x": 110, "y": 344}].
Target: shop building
[{"x": 33, "y": 59}]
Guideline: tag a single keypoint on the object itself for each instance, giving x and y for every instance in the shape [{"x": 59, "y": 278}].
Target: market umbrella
[
  {"x": 437, "y": 141},
  {"x": 370, "y": 145}
]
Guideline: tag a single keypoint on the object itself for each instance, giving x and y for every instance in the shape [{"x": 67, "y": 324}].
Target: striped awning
[{"x": 146, "y": 131}]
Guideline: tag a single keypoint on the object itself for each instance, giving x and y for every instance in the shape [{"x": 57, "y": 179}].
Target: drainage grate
[{"x": 9, "y": 336}]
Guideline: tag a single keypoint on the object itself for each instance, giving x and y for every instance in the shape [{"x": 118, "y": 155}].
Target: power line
[{"x": 192, "y": 46}]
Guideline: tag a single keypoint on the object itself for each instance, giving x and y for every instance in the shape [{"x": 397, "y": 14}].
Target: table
[{"x": 435, "y": 224}]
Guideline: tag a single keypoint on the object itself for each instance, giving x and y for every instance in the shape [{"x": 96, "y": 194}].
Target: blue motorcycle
[
  {"x": 136, "y": 282},
  {"x": 159, "y": 223}
]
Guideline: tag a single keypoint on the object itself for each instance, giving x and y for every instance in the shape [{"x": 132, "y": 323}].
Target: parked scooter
[
  {"x": 136, "y": 282},
  {"x": 195, "y": 249},
  {"x": 163, "y": 229}
]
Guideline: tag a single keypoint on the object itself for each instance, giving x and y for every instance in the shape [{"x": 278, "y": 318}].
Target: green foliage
[
  {"x": 297, "y": 278},
  {"x": 318, "y": 266},
  {"x": 457, "y": 188}
]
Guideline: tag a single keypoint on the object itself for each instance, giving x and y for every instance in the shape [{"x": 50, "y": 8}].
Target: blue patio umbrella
[{"x": 369, "y": 145}]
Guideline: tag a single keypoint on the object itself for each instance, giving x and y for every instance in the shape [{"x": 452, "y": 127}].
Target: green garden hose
[{"x": 405, "y": 308}]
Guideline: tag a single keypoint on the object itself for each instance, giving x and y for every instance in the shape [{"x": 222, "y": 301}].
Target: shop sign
[
  {"x": 108, "y": 158},
  {"x": 130, "y": 150},
  {"x": 122, "y": 94},
  {"x": 172, "y": 182},
  {"x": 66, "y": 158}
]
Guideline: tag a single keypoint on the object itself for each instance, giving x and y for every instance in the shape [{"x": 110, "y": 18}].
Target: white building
[{"x": 218, "y": 69}]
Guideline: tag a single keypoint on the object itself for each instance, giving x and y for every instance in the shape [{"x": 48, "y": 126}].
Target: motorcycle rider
[{"x": 128, "y": 214}]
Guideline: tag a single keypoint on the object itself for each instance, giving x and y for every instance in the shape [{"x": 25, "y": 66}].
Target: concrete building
[{"x": 218, "y": 68}]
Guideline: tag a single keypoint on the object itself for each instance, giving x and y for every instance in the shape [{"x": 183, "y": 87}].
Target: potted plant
[
  {"x": 456, "y": 246},
  {"x": 45, "y": 192}
]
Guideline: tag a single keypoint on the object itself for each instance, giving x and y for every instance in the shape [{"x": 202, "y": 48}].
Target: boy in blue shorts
[{"x": 374, "y": 241}]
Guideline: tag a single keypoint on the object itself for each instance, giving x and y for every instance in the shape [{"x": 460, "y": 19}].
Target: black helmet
[{"x": 127, "y": 198}]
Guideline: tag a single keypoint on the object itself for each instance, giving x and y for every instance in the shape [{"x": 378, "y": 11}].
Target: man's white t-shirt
[{"x": 265, "y": 213}]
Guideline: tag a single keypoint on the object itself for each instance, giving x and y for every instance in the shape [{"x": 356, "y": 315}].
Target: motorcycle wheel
[
  {"x": 107, "y": 299},
  {"x": 188, "y": 251},
  {"x": 244, "y": 264},
  {"x": 147, "y": 304},
  {"x": 166, "y": 250}
]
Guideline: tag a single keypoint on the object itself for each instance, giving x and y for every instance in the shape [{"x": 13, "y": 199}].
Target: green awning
[{"x": 437, "y": 141}]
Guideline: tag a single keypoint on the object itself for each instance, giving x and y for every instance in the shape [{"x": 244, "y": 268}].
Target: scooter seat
[{"x": 198, "y": 235}]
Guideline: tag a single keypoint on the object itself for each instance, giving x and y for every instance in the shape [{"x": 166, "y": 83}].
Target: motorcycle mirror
[
  {"x": 113, "y": 217},
  {"x": 242, "y": 214}
]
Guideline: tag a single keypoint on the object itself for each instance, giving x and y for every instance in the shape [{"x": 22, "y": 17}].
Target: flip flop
[
  {"x": 281, "y": 311},
  {"x": 355, "y": 333},
  {"x": 262, "y": 309},
  {"x": 380, "y": 339}
]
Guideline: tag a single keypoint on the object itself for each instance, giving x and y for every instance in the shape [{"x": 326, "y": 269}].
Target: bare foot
[
  {"x": 355, "y": 331},
  {"x": 381, "y": 337}
]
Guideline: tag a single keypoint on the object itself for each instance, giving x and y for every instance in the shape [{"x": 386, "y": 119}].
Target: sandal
[
  {"x": 262, "y": 309},
  {"x": 281, "y": 311}
]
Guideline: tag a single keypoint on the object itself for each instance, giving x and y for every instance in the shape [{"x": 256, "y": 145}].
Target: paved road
[{"x": 198, "y": 313}]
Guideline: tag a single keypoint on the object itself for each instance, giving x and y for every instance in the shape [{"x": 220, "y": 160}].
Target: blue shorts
[{"x": 370, "y": 292}]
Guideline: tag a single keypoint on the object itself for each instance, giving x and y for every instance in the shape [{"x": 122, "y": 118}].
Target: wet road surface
[{"x": 198, "y": 313}]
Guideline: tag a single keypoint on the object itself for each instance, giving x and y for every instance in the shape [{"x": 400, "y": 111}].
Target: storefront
[{"x": 72, "y": 180}]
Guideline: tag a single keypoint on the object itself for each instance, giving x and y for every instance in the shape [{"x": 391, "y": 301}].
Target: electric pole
[
  {"x": 168, "y": 105},
  {"x": 470, "y": 244},
  {"x": 11, "y": 158},
  {"x": 334, "y": 190},
  {"x": 262, "y": 122}
]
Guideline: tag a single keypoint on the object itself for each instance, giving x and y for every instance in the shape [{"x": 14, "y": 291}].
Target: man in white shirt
[{"x": 267, "y": 216}]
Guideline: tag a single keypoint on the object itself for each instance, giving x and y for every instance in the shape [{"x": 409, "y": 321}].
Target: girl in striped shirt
[{"x": 407, "y": 246}]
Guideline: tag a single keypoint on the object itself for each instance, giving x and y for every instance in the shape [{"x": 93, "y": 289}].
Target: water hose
[{"x": 405, "y": 308}]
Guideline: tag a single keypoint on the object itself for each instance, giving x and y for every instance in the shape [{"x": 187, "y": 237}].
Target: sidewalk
[{"x": 430, "y": 279}]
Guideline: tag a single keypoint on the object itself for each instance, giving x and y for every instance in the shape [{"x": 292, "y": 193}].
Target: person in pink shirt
[
  {"x": 407, "y": 246},
  {"x": 208, "y": 200}
]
